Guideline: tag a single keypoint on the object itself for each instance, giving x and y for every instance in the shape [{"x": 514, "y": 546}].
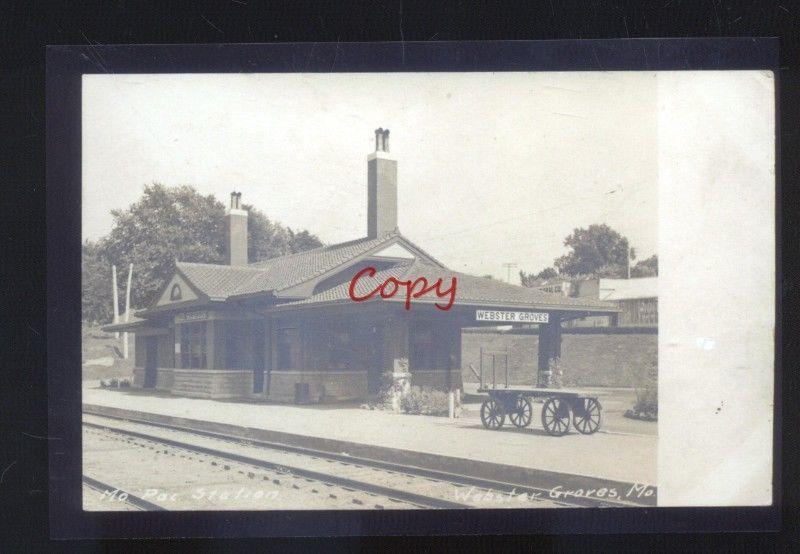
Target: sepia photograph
[
  {"x": 370, "y": 291},
  {"x": 395, "y": 291}
]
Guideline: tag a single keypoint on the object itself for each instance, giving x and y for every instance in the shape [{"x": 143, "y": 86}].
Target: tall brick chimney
[
  {"x": 381, "y": 188},
  {"x": 236, "y": 231}
]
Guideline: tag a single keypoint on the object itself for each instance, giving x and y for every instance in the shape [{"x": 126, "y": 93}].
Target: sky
[{"x": 493, "y": 168}]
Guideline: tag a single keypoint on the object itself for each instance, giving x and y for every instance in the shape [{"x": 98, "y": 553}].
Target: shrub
[
  {"x": 426, "y": 401},
  {"x": 124, "y": 383},
  {"x": 646, "y": 406},
  {"x": 386, "y": 389}
]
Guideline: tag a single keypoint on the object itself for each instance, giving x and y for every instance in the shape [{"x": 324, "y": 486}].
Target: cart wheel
[
  {"x": 588, "y": 421},
  {"x": 523, "y": 412},
  {"x": 555, "y": 417},
  {"x": 492, "y": 415}
]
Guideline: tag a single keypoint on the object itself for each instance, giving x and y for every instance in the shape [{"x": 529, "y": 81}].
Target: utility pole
[
  {"x": 630, "y": 254},
  {"x": 628, "y": 263},
  {"x": 114, "y": 294},
  {"x": 127, "y": 312},
  {"x": 508, "y": 266}
]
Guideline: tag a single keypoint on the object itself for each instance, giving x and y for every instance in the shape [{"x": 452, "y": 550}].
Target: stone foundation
[
  {"x": 208, "y": 383},
  {"x": 165, "y": 379},
  {"x": 322, "y": 385}
]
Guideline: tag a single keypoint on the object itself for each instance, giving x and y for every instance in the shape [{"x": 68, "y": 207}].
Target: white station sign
[{"x": 511, "y": 317}]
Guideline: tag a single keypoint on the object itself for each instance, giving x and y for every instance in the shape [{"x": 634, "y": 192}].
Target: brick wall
[
  {"x": 593, "y": 359},
  {"x": 435, "y": 378},
  {"x": 333, "y": 385}
]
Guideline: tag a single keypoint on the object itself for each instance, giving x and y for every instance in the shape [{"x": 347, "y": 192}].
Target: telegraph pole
[
  {"x": 114, "y": 294},
  {"x": 508, "y": 266}
]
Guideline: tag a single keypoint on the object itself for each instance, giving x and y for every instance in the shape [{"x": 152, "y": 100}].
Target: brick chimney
[
  {"x": 236, "y": 231},
  {"x": 381, "y": 188}
]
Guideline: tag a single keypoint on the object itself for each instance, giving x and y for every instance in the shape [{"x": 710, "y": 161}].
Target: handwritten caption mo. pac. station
[{"x": 511, "y": 317}]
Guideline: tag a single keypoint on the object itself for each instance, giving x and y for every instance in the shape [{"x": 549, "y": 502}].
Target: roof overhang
[
  {"x": 578, "y": 311},
  {"x": 142, "y": 327}
]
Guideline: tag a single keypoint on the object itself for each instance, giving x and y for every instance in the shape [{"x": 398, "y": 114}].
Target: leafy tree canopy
[
  {"x": 168, "y": 224},
  {"x": 597, "y": 250},
  {"x": 530, "y": 279},
  {"x": 646, "y": 268}
]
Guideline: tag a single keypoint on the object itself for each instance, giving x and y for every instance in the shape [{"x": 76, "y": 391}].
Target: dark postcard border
[{"x": 66, "y": 64}]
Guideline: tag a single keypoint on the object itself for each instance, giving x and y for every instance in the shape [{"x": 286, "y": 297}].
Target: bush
[
  {"x": 425, "y": 401},
  {"x": 385, "y": 391},
  {"x": 646, "y": 406},
  {"x": 115, "y": 383}
]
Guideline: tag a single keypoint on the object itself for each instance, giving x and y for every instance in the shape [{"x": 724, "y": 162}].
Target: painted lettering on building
[
  {"x": 191, "y": 316},
  {"x": 511, "y": 317}
]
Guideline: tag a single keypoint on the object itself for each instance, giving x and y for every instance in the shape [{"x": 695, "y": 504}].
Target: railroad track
[{"x": 374, "y": 478}]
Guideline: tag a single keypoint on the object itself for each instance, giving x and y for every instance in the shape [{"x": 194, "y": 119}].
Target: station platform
[{"x": 460, "y": 445}]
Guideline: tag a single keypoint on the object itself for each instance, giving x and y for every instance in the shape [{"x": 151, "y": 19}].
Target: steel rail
[
  {"x": 344, "y": 482},
  {"x": 456, "y": 478}
]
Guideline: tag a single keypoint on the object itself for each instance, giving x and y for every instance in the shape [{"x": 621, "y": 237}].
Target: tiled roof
[
  {"x": 220, "y": 282},
  {"x": 276, "y": 274},
  {"x": 286, "y": 271},
  {"x": 469, "y": 290}
]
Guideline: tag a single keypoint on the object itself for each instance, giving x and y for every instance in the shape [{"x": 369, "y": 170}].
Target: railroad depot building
[{"x": 286, "y": 329}]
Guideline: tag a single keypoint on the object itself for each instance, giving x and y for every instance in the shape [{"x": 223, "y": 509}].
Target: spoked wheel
[
  {"x": 586, "y": 416},
  {"x": 492, "y": 414},
  {"x": 523, "y": 412},
  {"x": 555, "y": 417}
]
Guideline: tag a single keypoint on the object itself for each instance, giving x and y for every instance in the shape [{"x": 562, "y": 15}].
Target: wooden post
[
  {"x": 114, "y": 291},
  {"x": 545, "y": 351},
  {"x": 127, "y": 312},
  {"x": 549, "y": 348}
]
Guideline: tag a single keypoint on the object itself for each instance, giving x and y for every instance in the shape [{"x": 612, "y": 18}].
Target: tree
[
  {"x": 96, "y": 297},
  {"x": 531, "y": 279},
  {"x": 596, "y": 249},
  {"x": 176, "y": 223},
  {"x": 646, "y": 268}
]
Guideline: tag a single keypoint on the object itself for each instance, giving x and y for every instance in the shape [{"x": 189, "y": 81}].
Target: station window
[
  {"x": 193, "y": 345},
  {"x": 335, "y": 348},
  {"x": 236, "y": 343},
  {"x": 288, "y": 348}
]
